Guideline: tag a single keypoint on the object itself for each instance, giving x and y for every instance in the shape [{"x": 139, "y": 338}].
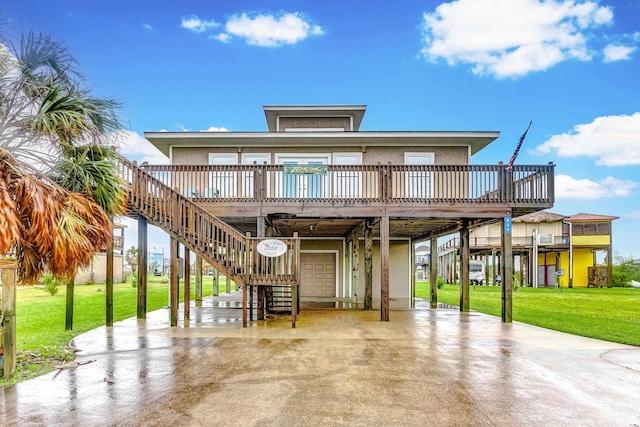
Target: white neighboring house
[{"x": 97, "y": 271}]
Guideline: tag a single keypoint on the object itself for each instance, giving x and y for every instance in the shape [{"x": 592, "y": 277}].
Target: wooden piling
[{"x": 8, "y": 277}]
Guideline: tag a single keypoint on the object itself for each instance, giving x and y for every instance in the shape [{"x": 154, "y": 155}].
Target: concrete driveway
[{"x": 338, "y": 367}]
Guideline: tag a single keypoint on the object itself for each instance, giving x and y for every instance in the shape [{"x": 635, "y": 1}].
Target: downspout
[{"x": 570, "y": 252}]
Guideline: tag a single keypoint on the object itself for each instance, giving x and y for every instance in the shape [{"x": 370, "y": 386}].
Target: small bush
[
  {"x": 50, "y": 284},
  {"x": 440, "y": 283},
  {"x": 134, "y": 280}
]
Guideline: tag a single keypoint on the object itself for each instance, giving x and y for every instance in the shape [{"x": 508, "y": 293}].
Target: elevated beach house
[{"x": 347, "y": 205}]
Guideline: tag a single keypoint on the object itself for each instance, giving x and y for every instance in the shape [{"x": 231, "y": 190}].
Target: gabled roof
[
  {"x": 541, "y": 216},
  {"x": 591, "y": 217}
]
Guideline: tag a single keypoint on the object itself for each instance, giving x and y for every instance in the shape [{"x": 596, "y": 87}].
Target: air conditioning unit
[{"x": 545, "y": 239}]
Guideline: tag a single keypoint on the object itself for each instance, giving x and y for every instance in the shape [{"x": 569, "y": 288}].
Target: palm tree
[{"x": 59, "y": 183}]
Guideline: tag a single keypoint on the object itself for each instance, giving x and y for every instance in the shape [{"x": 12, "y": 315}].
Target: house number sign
[{"x": 272, "y": 247}]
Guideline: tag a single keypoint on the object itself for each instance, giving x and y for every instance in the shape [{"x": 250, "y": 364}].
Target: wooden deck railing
[
  {"x": 527, "y": 185},
  {"x": 221, "y": 245}
]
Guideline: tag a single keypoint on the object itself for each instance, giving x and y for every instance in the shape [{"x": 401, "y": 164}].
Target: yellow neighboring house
[{"x": 571, "y": 251}]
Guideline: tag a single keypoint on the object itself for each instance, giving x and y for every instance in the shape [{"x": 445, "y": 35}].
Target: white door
[
  {"x": 347, "y": 183},
  {"x": 302, "y": 186},
  {"x": 247, "y": 176},
  {"x": 418, "y": 183},
  {"x": 222, "y": 183}
]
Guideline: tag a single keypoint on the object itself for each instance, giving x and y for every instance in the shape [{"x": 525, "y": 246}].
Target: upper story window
[{"x": 591, "y": 228}]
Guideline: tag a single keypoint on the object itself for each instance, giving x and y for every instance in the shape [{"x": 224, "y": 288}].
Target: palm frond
[{"x": 42, "y": 58}]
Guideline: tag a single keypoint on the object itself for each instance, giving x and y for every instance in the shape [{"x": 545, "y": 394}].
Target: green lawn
[
  {"x": 41, "y": 339},
  {"x": 609, "y": 314}
]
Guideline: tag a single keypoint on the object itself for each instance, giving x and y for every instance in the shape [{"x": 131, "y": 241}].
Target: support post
[
  {"x": 294, "y": 304},
  {"x": 187, "y": 284},
  {"x": 142, "y": 268},
  {"x": 433, "y": 272},
  {"x": 173, "y": 281},
  {"x": 355, "y": 267},
  {"x": 368, "y": 265},
  {"x": 464, "y": 267},
  {"x": 247, "y": 277},
  {"x": 109, "y": 280},
  {"x": 68, "y": 318},
  {"x": 260, "y": 232},
  {"x": 384, "y": 268},
  {"x": 216, "y": 282},
  {"x": 8, "y": 277},
  {"x": 244, "y": 305},
  {"x": 507, "y": 273},
  {"x": 198, "y": 274}
]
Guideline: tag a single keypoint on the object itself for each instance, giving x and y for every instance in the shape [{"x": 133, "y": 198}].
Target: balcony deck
[{"x": 418, "y": 199}]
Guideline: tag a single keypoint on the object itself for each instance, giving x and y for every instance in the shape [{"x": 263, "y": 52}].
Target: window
[
  {"x": 347, "y": 183},
  {"x": 248, "y": 180},
  {"x": 418, "y": 183},
  {"x": 222, "y": 182},
  {"x": 591, "y": 228}
]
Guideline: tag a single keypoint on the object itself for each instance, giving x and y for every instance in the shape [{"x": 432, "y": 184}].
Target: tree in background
[
  {"x": 624, "y": 271},
  {"x": 131, "y": 257}
]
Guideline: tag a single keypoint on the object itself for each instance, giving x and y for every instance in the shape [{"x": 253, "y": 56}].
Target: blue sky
[{"x": 572, "y": 67}]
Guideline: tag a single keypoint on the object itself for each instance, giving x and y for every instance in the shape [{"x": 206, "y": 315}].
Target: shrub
[
  {"x": 440, "y": 283},
  {"x": 625, "y": 272},
  {"x": 50, "y": 284},
  {"x": 134, "y": 280}
]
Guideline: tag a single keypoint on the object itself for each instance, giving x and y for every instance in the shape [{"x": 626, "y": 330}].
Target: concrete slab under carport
[{"x": 338, "y": 367}]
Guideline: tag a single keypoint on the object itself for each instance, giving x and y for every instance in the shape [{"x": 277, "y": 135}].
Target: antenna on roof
[{"x": 515, "y": 153}]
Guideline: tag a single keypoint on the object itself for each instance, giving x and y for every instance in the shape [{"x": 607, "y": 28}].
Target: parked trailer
[{"x": 476, "y": 272}]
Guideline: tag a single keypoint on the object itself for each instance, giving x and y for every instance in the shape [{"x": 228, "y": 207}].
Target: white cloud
[
  {"x": 269, "y": 30},
  {"x": 632, "y": 214},
  {"x": 510, "y": 38},
  {"x": 135, "y": 147},
  {"x": 222, "y": 37},
  {"x": 147, "y": 27},
  {"x": 616, "y": 52},
  {"x": 612, "y": 140},
  {"x": 585, "y": 189},
  {"x": 197, "y": 25},
  {"x": 215, "y": 129}
]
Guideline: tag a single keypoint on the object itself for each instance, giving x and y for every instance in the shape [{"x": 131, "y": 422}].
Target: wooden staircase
[{"x": 232, "y": 253}]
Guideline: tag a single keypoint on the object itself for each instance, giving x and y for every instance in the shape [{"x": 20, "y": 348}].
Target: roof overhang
[{"x": 475, "y": 140}]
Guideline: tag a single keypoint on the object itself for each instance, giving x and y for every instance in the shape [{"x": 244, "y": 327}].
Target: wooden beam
[
  {"x": 464, "y": 267},
  {"x": 507, "y": 271},
  {"x": 384, "y": 268},
  {"x": 8, "y": 277},
  {"x": 433, "y": 272},
  {"x": 173, "y": 281},
  {"x": 109, "y": 282},
  {"x": 187, "y": 284},
  {"x": 368, "y": 266},
  {"x": 142, "y": 268}
]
